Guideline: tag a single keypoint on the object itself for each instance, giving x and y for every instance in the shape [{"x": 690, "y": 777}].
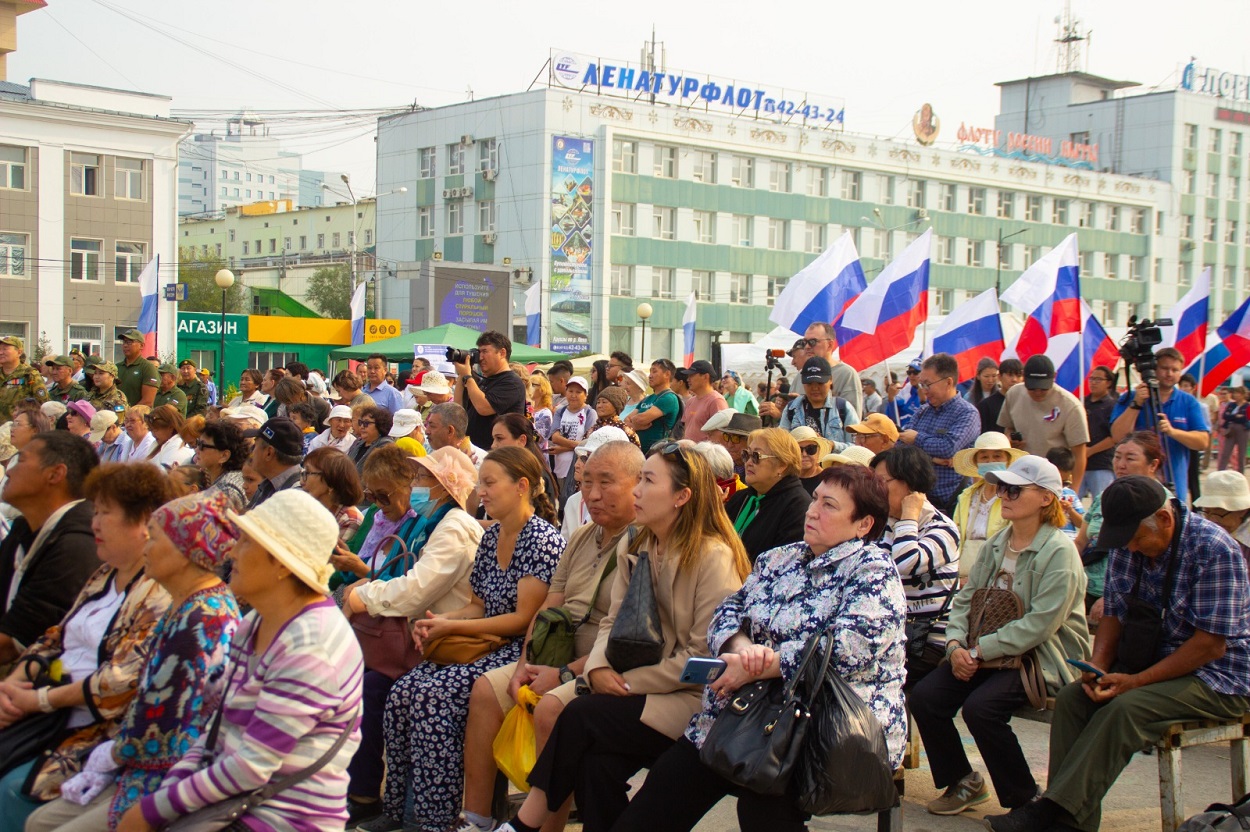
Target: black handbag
[
  {"x": 918, "y": 627},
  {"x": 25, "y": 740},
  {"x": 1142, "y": 627},
  {"x": 636, "y": 639}
]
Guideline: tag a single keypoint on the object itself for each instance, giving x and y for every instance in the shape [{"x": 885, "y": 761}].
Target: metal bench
[{"x": 1235, "y": 732}]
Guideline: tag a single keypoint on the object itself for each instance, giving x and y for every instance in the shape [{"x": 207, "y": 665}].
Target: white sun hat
[{"x": 298, "y": 531}]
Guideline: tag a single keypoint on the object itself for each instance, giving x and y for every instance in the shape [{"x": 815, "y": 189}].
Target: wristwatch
[
  {"x": 1134, "y": 406},
  {"x": 975, "y": 654},
  {"x": 465, "y": 379},
  {"x": 566, "y": 675}
]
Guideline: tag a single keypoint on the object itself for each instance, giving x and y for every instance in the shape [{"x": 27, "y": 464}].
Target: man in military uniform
[
  {"x": 138, "y": 379},
  {"x": 17, "y": 380},
  {"x": 170, "y": 393},
  {"x": 197, "y": 394},
  {"x": 64, "y": 389},
  {"x": 106, "y": 395}
]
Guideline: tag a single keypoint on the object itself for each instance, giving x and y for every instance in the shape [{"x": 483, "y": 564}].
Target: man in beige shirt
[
  {"x": 1046, "y": 416},
  {"x": 608, "y": 482}
]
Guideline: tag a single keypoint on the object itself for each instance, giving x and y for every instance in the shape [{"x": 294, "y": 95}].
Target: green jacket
[
  {"x": 1051, "y": 581},
  {"x": 74, "y": 393},
  {"x": 197, "y": 397},
  {"x": 24, "y": 382},
  {"x": 175, "y": 396}
]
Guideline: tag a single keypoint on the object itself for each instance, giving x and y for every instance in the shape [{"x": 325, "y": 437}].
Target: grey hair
[
  {"x": 452, "y": 415},
  {"x": 624, "y": 456},
  {"x": 718, "y": 459}
]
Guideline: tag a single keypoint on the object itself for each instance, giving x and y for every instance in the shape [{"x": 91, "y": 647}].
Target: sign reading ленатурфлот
[{"x": 572, "y": 243}]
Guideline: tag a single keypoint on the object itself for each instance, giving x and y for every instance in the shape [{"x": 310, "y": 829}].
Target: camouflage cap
[
  {"x": 13, "y": 341},
  {"x": 93, "y": 360},
  {"x": 58, "y": 361},
  {"x": 167, "y": 368},
  {"x": 107, "y": 367},
  {"x": 133, "y": 335}
]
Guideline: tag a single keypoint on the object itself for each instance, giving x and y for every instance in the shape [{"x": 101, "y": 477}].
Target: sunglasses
[
  {"x": 200, "y": 446},
  {"x": 365, "y": 424},
  {"x": 809, "y": 342},
  {"x": 382, "y": 498},
  {"x": 756, "y": 456},
  {"x": 1011, "y": 492},
  {"x": 674, "y": 449},
  {"x": 809, "y": 450}
]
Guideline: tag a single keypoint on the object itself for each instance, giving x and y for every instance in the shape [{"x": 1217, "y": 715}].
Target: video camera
[
  {"x": 1138, "y": 345},
  {"x": 456, "y": 356},
  {"x": 772, "y": 360}
]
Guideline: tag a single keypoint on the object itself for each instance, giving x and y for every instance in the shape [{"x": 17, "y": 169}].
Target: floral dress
[
  {"x": 428, "y": 708},
  {"x": 853, "y": 589}
]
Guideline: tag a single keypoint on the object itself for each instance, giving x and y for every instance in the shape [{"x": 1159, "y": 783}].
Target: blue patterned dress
[
  {"x": 853, "y": 588},
  {"x": 428, "y": 708}
]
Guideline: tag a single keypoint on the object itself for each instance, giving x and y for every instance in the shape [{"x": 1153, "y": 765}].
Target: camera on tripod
[
  {"x": 772, "y": 360},
  {"x": 470, "y": 357},
  {"x": 1138, "y": 345}
]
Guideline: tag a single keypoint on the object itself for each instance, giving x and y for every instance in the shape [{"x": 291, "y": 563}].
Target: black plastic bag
[{"x": 1220, "y": 817}]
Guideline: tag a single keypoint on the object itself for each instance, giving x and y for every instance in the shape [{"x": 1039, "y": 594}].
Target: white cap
[
  {"x": 100, "y": 423},
  {"x": 406, "y": 420},
  {"x": 580, "y": 381},
  {"x": 316, "y": 384},
  {"x": 339, "y": 411},
  {"x": 298, "y": 531},
  {"x": 444, "y": 367},
  {"x": 719, "y": 420},
  {"x": 851, "y": 455},
  {"x": 1029, "y": 470},
  {"x": 601, "y": 437},
  {"x": 1225, "y": 489}
]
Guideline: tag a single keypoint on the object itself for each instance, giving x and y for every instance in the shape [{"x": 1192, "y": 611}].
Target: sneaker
[
  {"x": 467, "y": 825},
  {"x": 1034, "y": 816},
  {"x": 382, "y": 823},
  {"x": 360, "y": 811},
  {"x": 968, "y": 792},
  {"x": 505, "y": 827}
]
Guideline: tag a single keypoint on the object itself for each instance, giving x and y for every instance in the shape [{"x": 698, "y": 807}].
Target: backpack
[{"x": 1220, "y": 817}]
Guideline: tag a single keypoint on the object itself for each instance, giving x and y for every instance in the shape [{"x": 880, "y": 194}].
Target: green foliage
[
  {"x": 330, "y": 293},
  {"x": 43, "y": 348},
  {"x": 198, "y": 272}
]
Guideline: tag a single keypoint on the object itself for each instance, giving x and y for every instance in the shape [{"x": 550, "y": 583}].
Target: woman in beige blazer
[{"x": 629, "y": 719}]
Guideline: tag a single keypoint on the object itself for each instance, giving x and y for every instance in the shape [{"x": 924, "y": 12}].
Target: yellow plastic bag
[{"x": 515, "y": 753}]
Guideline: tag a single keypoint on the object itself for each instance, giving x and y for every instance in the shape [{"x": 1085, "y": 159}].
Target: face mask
[
  {"x": 420, "y": 499},
  {"x": 984, "y": 468}
]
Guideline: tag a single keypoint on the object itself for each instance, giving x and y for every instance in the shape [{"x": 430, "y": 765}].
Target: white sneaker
[{"x": 467, "y": 825}]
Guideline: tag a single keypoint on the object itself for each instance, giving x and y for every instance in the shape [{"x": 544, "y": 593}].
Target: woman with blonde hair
[
  {"x": 812, "y": 449},
  {"x": 632, "y": 716},
  {"x": 769, "y": 512},
  {"x": 169, "y": 451},
  {"x": 542, "y": 408}
]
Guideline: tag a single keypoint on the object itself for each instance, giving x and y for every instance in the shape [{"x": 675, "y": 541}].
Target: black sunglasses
[
  {"x": 809, "y": 450},
  {"x": 1010, "y": 492},
  {"x": 382, "y": 498},
  {"x": 674, "y": 449}
]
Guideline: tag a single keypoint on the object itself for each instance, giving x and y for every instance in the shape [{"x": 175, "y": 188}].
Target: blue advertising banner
[{"x": 572, "y": 243}]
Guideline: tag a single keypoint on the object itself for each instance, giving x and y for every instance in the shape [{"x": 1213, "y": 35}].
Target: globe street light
[
  {"x": 644, "y": 312},
  {"x": 224, "y": 280}
]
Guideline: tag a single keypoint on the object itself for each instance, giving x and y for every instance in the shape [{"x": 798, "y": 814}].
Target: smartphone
[
  {"x": 701, "y": 671},
  {"x": 1087, "y": 667}
]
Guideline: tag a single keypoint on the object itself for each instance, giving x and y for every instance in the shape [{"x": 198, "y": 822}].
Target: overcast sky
[{"x": 882, "y": 59}]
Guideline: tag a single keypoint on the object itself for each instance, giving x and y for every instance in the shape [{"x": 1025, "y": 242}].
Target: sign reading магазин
[
  {"x": 192, "y": 324},
  {"x": 1217, "y": 82},
  {"x": 575, "y": 71}
]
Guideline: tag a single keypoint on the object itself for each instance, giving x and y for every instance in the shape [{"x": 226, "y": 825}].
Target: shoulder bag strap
[
  {"x": 268, "y": 791},
  {"x": 594, "y": 599},
  {"x": 403, "y": 554}
]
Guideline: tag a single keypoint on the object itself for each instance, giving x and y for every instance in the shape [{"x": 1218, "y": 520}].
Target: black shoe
[
  {"x": 1034, "y": 816},
  {"x": 359, "y": 811}
]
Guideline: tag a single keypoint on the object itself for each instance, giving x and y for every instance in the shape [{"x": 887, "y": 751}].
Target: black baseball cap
[
  {"x": 701, "y": 367},
  {"x": 1125, "y": 504},
  {"x": 681, "y": 374},
  {"x": 282, "y": 434},
  {"x": 1039, "y": 373},
  {"x": 816, "y": 369}
]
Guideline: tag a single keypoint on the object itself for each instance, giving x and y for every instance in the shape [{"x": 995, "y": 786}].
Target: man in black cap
[
  {"x": 1046, "y": 416},
  {"x": 276, "y": 456},
  {"x": 818, "y": 408},
  {"x": 704, "y": 400},
  {"x": 137, "y": 377},
  {"x": 192, "y": 388},
  {"x": 1175, "y": 642}
]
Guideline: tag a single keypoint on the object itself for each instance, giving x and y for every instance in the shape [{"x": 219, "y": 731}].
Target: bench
[{"x": 1181, "y": 735}]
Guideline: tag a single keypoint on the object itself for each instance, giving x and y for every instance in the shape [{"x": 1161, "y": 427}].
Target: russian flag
[
  {"x": 972, "y": 332},
  {"x": 882, "y": 321},
  {"x": 358, "y": 315},
  {"x": 1190, "y": 319},
  {"x": 1049, "y": 293},
  {"x": 1076, "y": 354},
  {"x": 534, "y": 315},
  {"x": 822, "y": 291},
  {"x": 687, "y": 328},
  {"x": 1229, "y": 355},
  {"x": 149, "y": 297}
]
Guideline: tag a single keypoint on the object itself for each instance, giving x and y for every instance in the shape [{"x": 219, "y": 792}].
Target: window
[
  {"x": 776, "y": 285},
  {"x": 1059, "y": 212},
  {"x": 270, "y": 182},
  {"x": 1187, "y": 227},
  {"x": 1112, "y": 221},
  {"x": 1234, "y": 188},
  {"x": 950, "y": 193},
  {"x": 248, "y": 177},
  {"x": 84, "y": 259},
  {"x": 624, "y": 156},
  {"x": 1234, "y": 144},
  {"x": 273, "y": 245},
  {"x": 976, "y": 253},
  {"x": 84, "y": 174},
  {"x": 1006, "y": 255},
  {"x": 1209, "y": 229},
  {"x": 1006, "y": 205},
  {"x": 1031, "y": 255},
  {"x": 368, "y": 236},
  {"x": 224, "y": 190},
  {"x": 303, "y": 243},
  {"x": 1087, "y": 264},
  {"x": 702, "y": 284},
  {"x": 1216, "y": 139},
  {"x": 778, "y": 234},
  {"x": 249, "y": 193},
  {"x": 13, "y": 254},
  {"x": 851, "y": 184},
  {"x": 704, "y": 227},
  {"x": 623, "y": 214},
  {"x": 817, "y": 181},
  {"x": 1230, "y": 277},
  {"x": 622, "y": 281},
  {"x": 1191, "y": 136},
  {"x": 247, "y": 247},
  {"x": 703, "y": 166},
  {"x": 488, "y": 155},
  {"x": 425, "y": 222},
  {"x": 130, "y": 261},
  {"x": 1085, "y": 215},
  {"x": 664, "y": 226},
  {"x": 266, "y": 361},
  {"x": 321, "y": 243},
  {"x": 486, "y": 216},
  {"x": 236, "y": 193},
  {"x": 1230, "y": 231},
  {"x": 1189, "y": 182},
  {"x": 885, "y": 185},
  {"x": 258, "y": 246},
  {"x": 780, "y": 176},
  {"x": 337, "y": 238},
  {"x": 455, "y": 159},
  {"x": 665, "y": 161},
  {"x": 236, "y": 176},
  {"x": 739, "y": 288},
  {"x": 943, "y": 301},
  {"x": 231, "y": 234},
  {"x": 12, "y": 167},
  {"x": 662, "y": 282},
  {"x": 1033, "y": 208},
  {"x": 815, "y": 238},
  {"x": 89, "y": 340},
  {"x": 1213, "y": 185},
  {"x": 976, "y": 201},
  {"x": 286, "y": 243},
  {"x": 742, "y": 172},
  {"x": 741, "y": 229},
  {"x": 882, "y": 244},
  {"x": 455, "y": 218},
  {"x": 1136, "y": 268},
  {"x": 429, "y": 167},
  {"x": 915, "y": 193},
  {"x": 1111, "y": 266},
  {"x": 946, "y": 251}
]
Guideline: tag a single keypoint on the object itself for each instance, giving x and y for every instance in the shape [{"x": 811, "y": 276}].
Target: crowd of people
[{"x": 317, "y": 597}]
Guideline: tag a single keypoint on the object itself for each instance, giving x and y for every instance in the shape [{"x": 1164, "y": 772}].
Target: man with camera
[
  {"x": 1182, "y": 420},
  {"x": 496, "y": 392},
  {"x": 1175, "y": 645}
]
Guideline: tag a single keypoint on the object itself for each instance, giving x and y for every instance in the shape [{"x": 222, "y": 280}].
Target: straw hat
[
  {"x": 452, "y": 468},
  {"x": 852, "y": 455},
  {"x": 965, "y": 461},
  {"x": 1225, "y": 489},
  {"x": 297, "y": 530},
  {"x": 639, "y": 379}
]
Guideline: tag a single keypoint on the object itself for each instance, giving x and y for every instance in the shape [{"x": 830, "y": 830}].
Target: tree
[
  {"x": 330, "y": 293},
  {"x": 203, "y": 295}
]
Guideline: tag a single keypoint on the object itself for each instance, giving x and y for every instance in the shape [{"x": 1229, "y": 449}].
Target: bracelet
[
  {"x": 44, "y": 705},
  {"x": 1134, "y": 406}
]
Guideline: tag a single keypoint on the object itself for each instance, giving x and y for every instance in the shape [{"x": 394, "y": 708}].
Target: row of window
[
  {"x": 246, "y": 193},
  {"x": 457, "y": 158},
  {"x": 453, "y": 216},
  {"x": 247, "y": 177},
  {"x": 85, "y": 177},
  {"x": 288, "y": 243},
  {"x": 1211, "y": 230},
  {"x": 1231, "y": 185},
  {"x": 1215, "y": 140},
  {"x": 86, "y": 258}
]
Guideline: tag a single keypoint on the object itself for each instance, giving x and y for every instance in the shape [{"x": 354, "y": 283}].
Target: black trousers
[
  {"x": 367, "y": 767},
  {"x": 988, "y": 700},
  {"x": 680, "y": 790},
  {"x": 597, "y": 744}
]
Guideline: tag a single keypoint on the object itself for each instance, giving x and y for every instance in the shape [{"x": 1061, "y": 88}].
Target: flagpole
[{"x": 156, "y": 328}]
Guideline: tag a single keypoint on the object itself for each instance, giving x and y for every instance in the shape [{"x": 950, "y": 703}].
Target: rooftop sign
[{"x": 1217, "y": 82}]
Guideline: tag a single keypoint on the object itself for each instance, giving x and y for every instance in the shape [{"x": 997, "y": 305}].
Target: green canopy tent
[{"x": 399, "y": 348}]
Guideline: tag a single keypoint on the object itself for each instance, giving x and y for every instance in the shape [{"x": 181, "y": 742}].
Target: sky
[{"x": 882, "y": 59}]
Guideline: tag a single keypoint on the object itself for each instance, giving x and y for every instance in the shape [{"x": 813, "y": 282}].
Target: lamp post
[
  {"x": 644, "y": 312},
  {"x": 224, "y": 280},
  {"x": 355, "y": 234},
  {"x": 998, "y": 267}
]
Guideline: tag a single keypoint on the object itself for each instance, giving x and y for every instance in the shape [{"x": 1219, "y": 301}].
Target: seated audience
[
  {"x": 978, "y": 511},
  {"x": 330, "y": 477},
  {"x": 372, "y": 428},
  {"x": 812, "y": 449},
  {"x": 277, "y": 450},
  {"x": 221, "y": 452},
  {"x": 338, "y": 433},
  {"x": 769, "y": 512},
  {"x": 169, "y": 451}
]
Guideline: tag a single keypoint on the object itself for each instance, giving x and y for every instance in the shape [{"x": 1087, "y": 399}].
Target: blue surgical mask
[
  {"x": 984, "y": 468},
  {"x": 420, "y": 499}
]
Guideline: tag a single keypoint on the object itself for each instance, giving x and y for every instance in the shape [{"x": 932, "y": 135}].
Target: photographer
[
  {"x": 498, "y": 391},
  {"x": 1195, "y": 666},
  {"x": 1182, "y": 422}
]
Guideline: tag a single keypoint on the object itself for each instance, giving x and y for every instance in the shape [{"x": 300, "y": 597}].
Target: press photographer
[{"x": 496, "y": 390}]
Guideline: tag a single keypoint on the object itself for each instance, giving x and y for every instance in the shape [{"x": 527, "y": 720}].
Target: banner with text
[{"x": 572, "y": 243}]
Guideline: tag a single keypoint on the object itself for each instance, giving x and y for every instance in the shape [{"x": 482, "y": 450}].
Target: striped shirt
[
  {"x": 927, "y": 557},
  {"x": 285, "y": 708}
]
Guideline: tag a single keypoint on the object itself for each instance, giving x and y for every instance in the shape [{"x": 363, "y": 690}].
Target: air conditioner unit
[
  {"x": 489, "y": 175},
  {"x": 448, "y": 193},
  {"x": 490, "y": 239},
  {"x": 922, "y": 213},
  {"x": 466, "y": 139},
  {"x": 466, "y": 192}
]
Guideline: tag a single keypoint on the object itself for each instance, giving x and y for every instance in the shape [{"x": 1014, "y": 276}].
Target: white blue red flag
[
  {"x": 534, "y": 315},
  {"x": 822, "y": 291},
  {"x": 1049, "y": 293},
  {"x": 149, "y": 287},
  {"x": 687, "y": 328},
  {"x": 1229, "y": 355},
  {"x": 882, "y": 321},
  {"x": 1076, "y": 354},
  {"x": 1188, "y": 332},
  {"x": 358, "y": 315},
  {"x": 972, "y": 332}
]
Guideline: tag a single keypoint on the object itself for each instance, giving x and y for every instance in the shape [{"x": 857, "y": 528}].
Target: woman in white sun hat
[
  {"x": 1225, "y": 501},
  {"x": 338, "y": 432},
  {"x": 978, "y": 512}
]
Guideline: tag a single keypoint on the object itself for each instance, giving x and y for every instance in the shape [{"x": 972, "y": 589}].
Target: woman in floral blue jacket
[{"x": 836, "y": 579}]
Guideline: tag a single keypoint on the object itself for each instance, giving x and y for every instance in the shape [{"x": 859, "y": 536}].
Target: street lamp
[
  {"x": 347, "y": 183},
  {"x": 998, "y": 268},
  {"x": 224, "y": 280},
  {"x": 644, "y": 312}
]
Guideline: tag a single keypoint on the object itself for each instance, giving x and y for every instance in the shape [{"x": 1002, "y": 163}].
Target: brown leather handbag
[
  {"x": 992, "y": 607},
  {"x": 386, "y": 640},
  {"x": 458, "y": 649}
]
